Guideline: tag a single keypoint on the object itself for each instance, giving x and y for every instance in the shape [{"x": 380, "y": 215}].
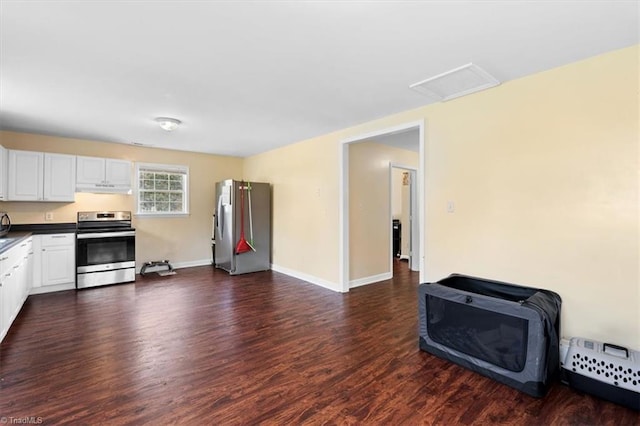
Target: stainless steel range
[{"x": 105, "y": 249}]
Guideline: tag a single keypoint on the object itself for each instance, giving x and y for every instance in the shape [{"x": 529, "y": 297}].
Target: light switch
[{"x": 451, "y": 207}]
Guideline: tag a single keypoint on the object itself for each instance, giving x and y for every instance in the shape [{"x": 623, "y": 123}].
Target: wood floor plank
[{"x": 202, "y": 347}]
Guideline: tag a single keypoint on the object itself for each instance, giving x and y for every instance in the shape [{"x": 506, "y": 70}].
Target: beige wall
[
  {"x": 184, "y": 239},
  {"x": 544, "y": 175},
  {"x": 304, "y": 178},
  {"x": 369, "y": 206}
]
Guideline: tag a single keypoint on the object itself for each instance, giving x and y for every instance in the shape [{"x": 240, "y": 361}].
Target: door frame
[
  {"x": 343, "y": 251},
  {"x": 414, "y": 227}
]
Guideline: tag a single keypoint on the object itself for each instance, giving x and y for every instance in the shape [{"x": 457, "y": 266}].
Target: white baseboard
[
  {"x": 52, "y": 288},
  {"x": 404, "y": 257},
  {"x": 370, "y": 280},
  {"x": 306, "y": 277}
]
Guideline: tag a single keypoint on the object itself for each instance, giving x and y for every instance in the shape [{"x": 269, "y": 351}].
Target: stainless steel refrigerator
[{"x": 242, "y": 227}]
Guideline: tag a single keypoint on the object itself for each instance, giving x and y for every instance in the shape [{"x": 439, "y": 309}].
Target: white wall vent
[{"x": 458, "y": 82}]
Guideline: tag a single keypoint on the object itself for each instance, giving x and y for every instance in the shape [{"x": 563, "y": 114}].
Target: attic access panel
[{"x": 460, "y": 81}]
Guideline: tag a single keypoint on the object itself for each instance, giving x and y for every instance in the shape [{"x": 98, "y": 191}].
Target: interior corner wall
[
  {"x": 305, "y": 218},
  {"x": 181, "y": 240},
  {"x": 369, "y": 206}
]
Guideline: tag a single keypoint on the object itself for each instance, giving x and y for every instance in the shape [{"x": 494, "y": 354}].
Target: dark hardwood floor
[{"x": 201, "y": 347}]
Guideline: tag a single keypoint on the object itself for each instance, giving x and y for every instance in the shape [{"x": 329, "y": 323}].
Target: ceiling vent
[{"x": 458, "y": 82}]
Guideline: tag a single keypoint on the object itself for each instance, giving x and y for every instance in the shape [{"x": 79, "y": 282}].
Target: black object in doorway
[{"x": 397, "y": 236}]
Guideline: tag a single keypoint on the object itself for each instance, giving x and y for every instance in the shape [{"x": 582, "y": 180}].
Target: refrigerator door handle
[{"x": 220, "y": 217}]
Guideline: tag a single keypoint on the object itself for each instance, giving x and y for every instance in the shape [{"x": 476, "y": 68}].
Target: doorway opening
[
  {"x": 344, "y": 208},
  {"x": 405, "y": 244}
]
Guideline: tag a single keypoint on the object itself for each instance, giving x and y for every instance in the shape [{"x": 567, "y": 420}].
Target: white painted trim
[
  {"x": 389, "y": 222},
  {"x": 370, "y": 280},
  {"x": 52, "y": 288},
  {"x": 404, "y": 257},
  {"x": 343, "y": 250},
  {"x": 421, "y": 189},
  {"x": 343, "y": 228},
  {"x": 308, "y": 278}
]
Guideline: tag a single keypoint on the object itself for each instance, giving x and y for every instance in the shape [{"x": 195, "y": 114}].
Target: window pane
[
  {"x": 146, "y": 196},
  {"x": 160, "y": 191},
  {"x": 146, "y": 207},
  {"x": 162, "y": 196},
  {"x": 146, "y": 184}
]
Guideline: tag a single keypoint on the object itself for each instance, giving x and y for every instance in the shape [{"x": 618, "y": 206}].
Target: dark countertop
[
  {"x": 45, "y": 228},
  {"x": 12, "y": 239},
  {"x": 21, "y": 232}
]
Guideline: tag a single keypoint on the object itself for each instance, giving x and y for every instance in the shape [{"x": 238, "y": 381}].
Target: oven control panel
[{"x": 103, "y": 216}]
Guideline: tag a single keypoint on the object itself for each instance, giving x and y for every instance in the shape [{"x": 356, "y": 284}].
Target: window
[{"x": 162, "y": 189}]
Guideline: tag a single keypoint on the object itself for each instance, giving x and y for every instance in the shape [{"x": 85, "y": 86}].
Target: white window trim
[{"x": 165, "y": 167}]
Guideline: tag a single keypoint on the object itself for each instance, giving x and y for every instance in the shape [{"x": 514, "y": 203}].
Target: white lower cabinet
[
  {"x": 54, "y": 263},
  {"x": 15, "y": 282}
]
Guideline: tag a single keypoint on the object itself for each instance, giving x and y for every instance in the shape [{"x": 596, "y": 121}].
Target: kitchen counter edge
[{"x": 21, "y": 232}]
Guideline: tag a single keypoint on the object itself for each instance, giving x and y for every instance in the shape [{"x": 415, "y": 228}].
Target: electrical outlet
[{"x": 48, "y": 216}]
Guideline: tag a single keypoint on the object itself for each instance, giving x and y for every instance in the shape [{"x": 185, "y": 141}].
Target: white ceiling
[{"x": 246, "y": 77}]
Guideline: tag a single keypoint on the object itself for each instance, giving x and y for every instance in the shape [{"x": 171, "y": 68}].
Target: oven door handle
[{"x": 106, "y": 235}]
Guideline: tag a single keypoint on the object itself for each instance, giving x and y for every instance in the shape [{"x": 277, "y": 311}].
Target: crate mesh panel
[{"x": 493, "y": 337}]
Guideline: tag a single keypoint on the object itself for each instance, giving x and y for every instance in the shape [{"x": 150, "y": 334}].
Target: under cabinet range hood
[{"x": 103, "y": 188}]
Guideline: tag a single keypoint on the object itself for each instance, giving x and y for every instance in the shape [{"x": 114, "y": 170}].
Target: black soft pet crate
[{"x": 503, "y": 331}]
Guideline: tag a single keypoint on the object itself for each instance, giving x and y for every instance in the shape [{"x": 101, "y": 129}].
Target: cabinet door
[
  {"x": 90, "y": 170},
  {"x": 3, "y": 173},
  {"x": 4, "y": 296},
  {"x": 9, "y": 296},
  {"x": 25, "y": 175},
  {"x": 59, "y": 177},
  {"x": 3, "y": 327},
  {"x": 58, "y": 265},
  {"x": 118, "y": 172},
  {"x": 30, "y": 271}
]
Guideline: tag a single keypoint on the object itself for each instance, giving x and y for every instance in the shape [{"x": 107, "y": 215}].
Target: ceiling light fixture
[{"x": 168, "y": 124}]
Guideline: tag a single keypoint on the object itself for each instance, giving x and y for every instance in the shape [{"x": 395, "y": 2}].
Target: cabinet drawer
[{"x": 51, "y": 240}]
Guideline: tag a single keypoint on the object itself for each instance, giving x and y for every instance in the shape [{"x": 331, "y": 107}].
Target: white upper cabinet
[
  {"x": 37, "y": 176},
  {"x": 59, "y": 177},
  {"x": 103, "y": 175},
  {"x": 118, "y": 172},
  {"x": 25, "y": 175},
  {"x": 90, "y": 170}
]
